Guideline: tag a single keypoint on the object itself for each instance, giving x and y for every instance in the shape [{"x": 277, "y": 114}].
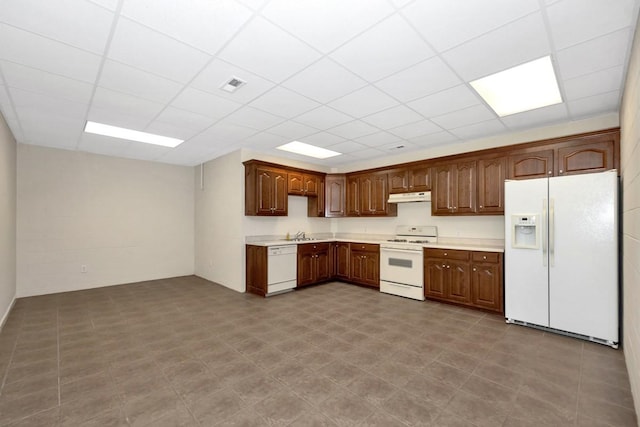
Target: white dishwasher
[{"x": 281, "y": 268}]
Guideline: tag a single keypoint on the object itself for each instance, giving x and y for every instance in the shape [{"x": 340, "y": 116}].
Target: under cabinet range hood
[{"x": 422, "y": 196}]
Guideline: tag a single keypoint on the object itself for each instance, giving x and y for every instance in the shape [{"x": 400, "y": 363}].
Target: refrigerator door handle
[
  {"x": 551, "y": 232},
  {"x": 543, "y": 232}
]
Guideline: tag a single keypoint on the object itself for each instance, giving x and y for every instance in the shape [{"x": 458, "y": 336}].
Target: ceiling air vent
[
  {"x": 397, "y": 147},
  {"x": 233, "y": 84}
]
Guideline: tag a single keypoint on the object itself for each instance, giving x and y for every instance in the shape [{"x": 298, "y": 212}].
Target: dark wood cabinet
[
  {"x": 586, "y": 158},
  {"x": 491, "y": 176},
  {"x": 341, "y": 258},
  {"x": 335, "y": 196},
  {"x": 314, "y": 263},
  {"x": 469, "y": 278},
  {"x": 265, "y": 190},
  {"x": 316, "y": 204},
  {"x": 407, "y": 180},
  {"x": 367, "y": 195},
  {"x": 486, "y": 280},
  {"x": 302, "y": 184},
  {"x": 256, "y": 269},
  {"x": 536, "y": 164},
  {"x": 454, "y": 188},
  {"x": 364, "y": 263}
]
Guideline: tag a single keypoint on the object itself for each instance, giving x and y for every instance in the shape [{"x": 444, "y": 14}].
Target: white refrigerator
[{"x": 561, "y": 255}]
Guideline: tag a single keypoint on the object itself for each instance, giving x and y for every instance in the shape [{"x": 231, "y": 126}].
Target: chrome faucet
[{"x": 299, "y": 235}]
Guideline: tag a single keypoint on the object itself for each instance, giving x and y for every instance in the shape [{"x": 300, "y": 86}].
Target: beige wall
[
  {"x": 630, "y": 156},
  {"x": 125, "y": 220},
  {"x": 7, "y": 220}
]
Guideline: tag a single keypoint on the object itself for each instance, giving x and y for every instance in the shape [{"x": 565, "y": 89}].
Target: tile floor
[{"x": 184, "y": 351}]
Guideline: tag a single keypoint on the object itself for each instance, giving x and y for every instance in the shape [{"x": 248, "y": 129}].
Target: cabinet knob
[
  {"x": 481, "y": 206},
  {"x": 475, "y": 269},
  {"x": 549, "y": 173},
  {"x": 561, "y": 170},
  {"x": 448, "y": 266},
  {"x": 445, "y": 254},
  {"x": 443, "y": 266},
  {"x": 484, "y": 257}
]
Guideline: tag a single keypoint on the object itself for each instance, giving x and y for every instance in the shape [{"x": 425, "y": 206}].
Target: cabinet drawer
[
  {"x": 485, "y": 256},
  {"x": 314, "y": 247},
  {"x": 446, "y": 253},
  {"x": 367, "y": 247}
]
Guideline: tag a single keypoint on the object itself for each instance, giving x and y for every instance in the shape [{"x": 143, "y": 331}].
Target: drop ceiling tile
[
  {"x": 207, "y": 25},
  {"x": 378, "y": 139},
  {"x": 224, "y": 133},
  {"x": 608, "y": 80},
  {"x": 446, "y": 24},
  {"x": 413, "y": 130},
  {"x": 44, "y": 83},
  {"x": 123, "y": 78},
  {"x": 398, "y": 147},
  {"x": 393, "y": 117},
  {"x": 513, "y": 44},
  {"x": 50, "y": 130},
  {"x": 107, "y": 4},
  {"x": 104, "y": 145},
  {"x": 400, "y": 3},
  {"x": 23, "y": 100},
  {"x": 204, "y": 103},
  {"x": 353, "y": 129},
  {"x": 284, "y": 103},
  {"x": 253, "y": 4},
  {"x": 39, "y": 52},
  {"x": 267, "y": 51},
  {"x": 324, "y": 81},
  {"x": 6, "y": 107},
  {"x": 179, "y": 123},
  {"x": 116, "y": 117},
  {"x": 538, "y": 117},
  {"x": 446, "y": 101},
  {"x": 597, "y": 54},
  {"x": 326, "y": 24},
  {"x": 218, "y": 72},
  {"x": 142, "y": 151},
  {"x": 74, "y": 22},
  {"x": 423, "y": 79},
  {"x": 323, "y": 117},
  {"x": 151, "y": 51},
  {"x": 467, "y": 116},
  {"x": 387, "y": 48},
  {"x": 434, "y": 139},
  {"x": 364, "y": 102},
  {"x": 125, "y": 104},
  {"x": 264, "y": 140},
  {"x": 346, "y": 147},
  {"x": 292, "y": 130},
  {"x": 482, "y": 129},
  {"x": 322, "y": 139},
  {"x": 573, "y": 21},
  {"x": 254, "y": 118},
  {"x": 598, "y": 104},
  {"x": 368, "y": 153}
]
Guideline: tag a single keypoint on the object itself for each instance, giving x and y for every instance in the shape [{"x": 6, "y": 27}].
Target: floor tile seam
[
  {"x": 5, "y": 374},
  {"x": 179, "y": 395}
]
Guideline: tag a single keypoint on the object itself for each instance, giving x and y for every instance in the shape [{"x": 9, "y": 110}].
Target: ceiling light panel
[
  {"x": 308, "y": 150},
  {"x": 522, "y": 88},
  {"x": 131, "y": 135}
]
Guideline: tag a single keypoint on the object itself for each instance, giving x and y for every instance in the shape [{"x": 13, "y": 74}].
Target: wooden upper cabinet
[
  {"x": 353, "y": 196},
  {"x": 536, "y": 164},
  {"x": 586, "y": 158},
  {"x": 409, "y": 180},
  {"x": 335, "y": 193},
  {"x": 265, "y": 190},
  {"x": 491, "y": 176},
  {"x": 303, "y": 184},
  {"x": 367, "y": 195},
  {"x": 454, "y": 188}
]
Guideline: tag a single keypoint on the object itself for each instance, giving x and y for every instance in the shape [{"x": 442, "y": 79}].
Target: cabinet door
[
  {"x": 335, "y": 186},
  {"x": 458, "y": 287},
  {"x": 280, "y": 193},
  {"x": 435, "y": 276},
  {"x": 296, "y": 183},
  {"x": 356, "y": 261},
  {"x": 342, "y": 255},
  {"x": 371, "y": 269},
  {"x": 323, "y": 264},
  {"x": 491, "y": 176},
  {"x": 353, "y": 196},
  {"x": 306, "y": 265},
  {"x": 538, "y": 164},
  {"x": 378, "y": 196},
  {"x": 256, "y": 269},
  {"x": 367, "y": 194},
  {"x": 441, "y": 196},
  {"x": 398, "y": 181},
  {"x": 310, "y": 185},
  {"x": 464, "y": 188},
  {"x": 419, "y": 179},
  {"x": 486, "y": 286},
  {"x": 586, "y": 158},
  {"x": 264, "y": 192}
]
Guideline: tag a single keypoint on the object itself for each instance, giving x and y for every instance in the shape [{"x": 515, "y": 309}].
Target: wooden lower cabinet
[
  {"x": 364, "y": 263},
  {"x": 315, "y": 262},
  {"x": 464, "y": 277},
  {"x": 341, "y": 258},
  {"x": 256, "y": 268}
]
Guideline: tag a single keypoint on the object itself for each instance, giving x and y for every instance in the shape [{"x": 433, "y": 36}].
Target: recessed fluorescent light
[
  {"x": 522, "y": 88},
  {"x": 308, "y": 150},
  {"x": 132, "y": 135}
]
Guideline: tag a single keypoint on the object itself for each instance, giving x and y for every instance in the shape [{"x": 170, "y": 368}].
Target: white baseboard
[{"x": 5, "y": 316}]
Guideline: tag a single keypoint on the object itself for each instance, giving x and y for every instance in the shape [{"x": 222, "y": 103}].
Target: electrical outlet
[{"x": 83, "y": 268}]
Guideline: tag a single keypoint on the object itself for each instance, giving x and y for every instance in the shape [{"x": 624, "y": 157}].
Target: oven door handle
[{"x": 400, "y": 250}]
